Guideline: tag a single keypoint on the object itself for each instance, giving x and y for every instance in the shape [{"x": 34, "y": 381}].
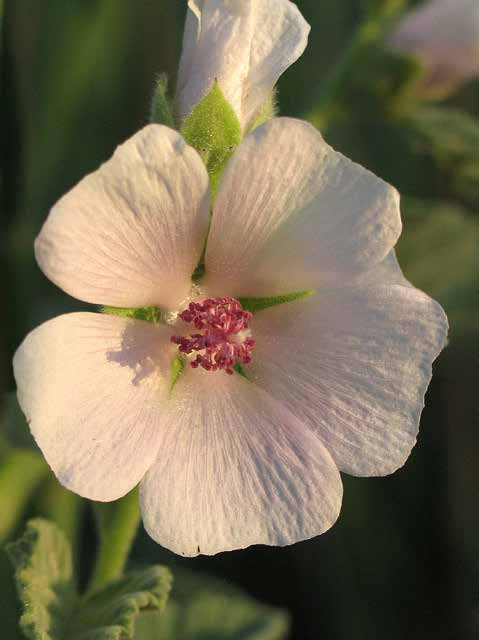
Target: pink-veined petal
[
  {"x": 235, "y": 468},
  {"x": 293, "y": 214},
  {"x": 131, "y": 233},
  {"x": 353, "y": 365},
  {"x": 93, "y": 389}
]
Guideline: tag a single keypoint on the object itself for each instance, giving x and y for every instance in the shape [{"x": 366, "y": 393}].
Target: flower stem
[
  {"x": 117, "y": 524},
  {"x": 21, "y": 472}
]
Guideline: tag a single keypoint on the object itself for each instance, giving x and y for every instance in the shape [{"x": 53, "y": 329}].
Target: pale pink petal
[
  {"x": 131, "y": 234},
  {"x": 93, "y": 389},
  {"x": 353, "y": 365},
  {"x": 293, "y": 214},
  {"x": 280, "y": 36},
  {"x": 235, "y": 468},
  {"x": 386, "y": 272},
  {"x": 243, "y": 44}
]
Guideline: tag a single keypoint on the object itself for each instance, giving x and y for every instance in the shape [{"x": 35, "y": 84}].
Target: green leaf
[
  {"x": 44, "y": 577},
  {"x": 161, "y": 112},
  {"x": 52, "y": 608},
  {"x": 213, "y": 129},
  {"x": 206, "y": 609},
  {"x": 111, "y": 614},
  {"x": 259, "y": 304}
]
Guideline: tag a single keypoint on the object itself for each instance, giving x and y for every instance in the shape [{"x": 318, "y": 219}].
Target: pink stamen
[{"x": 225, "y": 338}]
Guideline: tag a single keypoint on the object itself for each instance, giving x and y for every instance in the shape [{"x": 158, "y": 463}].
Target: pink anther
[{"x": 225, "y": 336}]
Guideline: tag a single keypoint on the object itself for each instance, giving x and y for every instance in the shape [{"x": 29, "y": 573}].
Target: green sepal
[
  {"x": 259, "y": 304},
  {"x": 214, "y": 130},
  {"x": 161, "y": 112},
  {"x": 268, "y": 110},
  {"x": 52, "y": 607},
  {"x": 202, "y": 608},
  {"x": 177, "y": 368},
  {"x": 239, "y": 370},
  {"x": 148, "y": 314}
]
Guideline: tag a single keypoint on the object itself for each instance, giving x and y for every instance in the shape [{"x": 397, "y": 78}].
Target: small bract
[
  {"x": 302, "y": 352},
  {"x": 444, "y": 35},
  {"x": 245, "y": 45}
]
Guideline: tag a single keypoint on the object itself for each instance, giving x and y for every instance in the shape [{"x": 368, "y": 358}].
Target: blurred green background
[{"x": 403, "y": 560}]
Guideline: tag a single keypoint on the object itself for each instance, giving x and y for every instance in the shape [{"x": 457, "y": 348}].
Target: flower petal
[
  {"x": 244, "y": 44},
  {"x": 279, "y": 38},
  {"x": 131, "y": 234},
  {"x": 92, "y": 387},
  {"x": 353, "y": 365},
  {"x": 293, "y": 214},
  {"x": 386, "y": 272},
  {"x": 234, "y": 469}
]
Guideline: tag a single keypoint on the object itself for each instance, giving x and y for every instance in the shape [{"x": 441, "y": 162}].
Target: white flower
[
  {"x": 334, "y": 380},
  {"x": 444, "y": 35},
  {"x": 244, "y": 44}
]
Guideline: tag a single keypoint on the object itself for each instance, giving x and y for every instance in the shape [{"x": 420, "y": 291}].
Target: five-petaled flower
[
  {"x": 332, "y": 380},
  {"x": 444, "y": 35}
]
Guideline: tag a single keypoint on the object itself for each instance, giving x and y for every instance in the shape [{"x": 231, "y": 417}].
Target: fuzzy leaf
[
  {"x": 213, "y": 129},
  {"x": 111, "y": 613},
  {"x": 177, "y": 369},
  {"x": 44, "y": 576},
  {"x": 52, "y": 608},
  {"x": 202, "y": 608}
]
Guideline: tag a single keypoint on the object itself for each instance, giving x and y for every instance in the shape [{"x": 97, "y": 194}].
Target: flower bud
[{"x": 245, "y": 45}]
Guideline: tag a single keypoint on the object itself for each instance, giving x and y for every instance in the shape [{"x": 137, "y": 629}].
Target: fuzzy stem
[
  {"x": 117, "y": 524},
  {"x": 21, "y": 472}
]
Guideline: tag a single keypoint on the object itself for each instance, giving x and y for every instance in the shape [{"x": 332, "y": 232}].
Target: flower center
[{"x": 225, "y": 336}]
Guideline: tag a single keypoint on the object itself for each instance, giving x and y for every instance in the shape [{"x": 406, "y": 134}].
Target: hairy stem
[{"x": 117, "y": 524}]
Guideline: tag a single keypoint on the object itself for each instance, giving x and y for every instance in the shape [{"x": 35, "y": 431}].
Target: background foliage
[{"x": 403, "y": 560}]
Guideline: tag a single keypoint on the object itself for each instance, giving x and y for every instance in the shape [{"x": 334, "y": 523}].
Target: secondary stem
[{"x": 117, "y": 525}]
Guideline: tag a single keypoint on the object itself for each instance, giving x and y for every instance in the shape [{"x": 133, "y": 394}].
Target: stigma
[{"x": 223, "y": 337}]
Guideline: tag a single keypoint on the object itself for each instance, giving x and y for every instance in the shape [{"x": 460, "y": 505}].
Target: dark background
[{"x": 403, "y": 560}]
